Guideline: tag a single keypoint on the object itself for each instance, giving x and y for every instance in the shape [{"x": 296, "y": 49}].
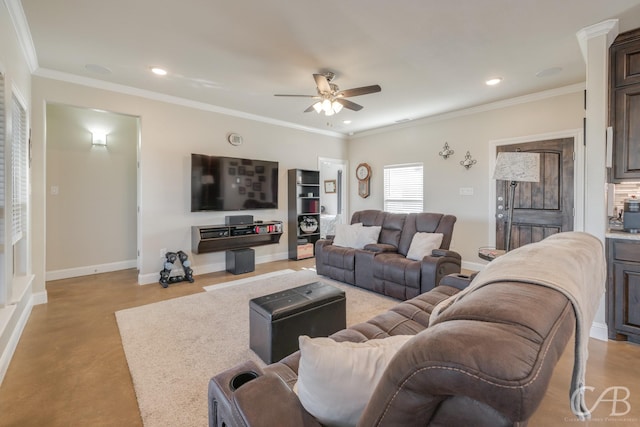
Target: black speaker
[
  {"x": 238, "y": 219},
  {"x": 239, "y": 261}
]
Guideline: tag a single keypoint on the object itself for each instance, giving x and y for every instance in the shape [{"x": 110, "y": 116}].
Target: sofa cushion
[
  {"x": 356, "y": 235},
  {"x": 336, "y": 379},
  {"x": 423, "y": 244},
  {"x": 347, "y": 235}
]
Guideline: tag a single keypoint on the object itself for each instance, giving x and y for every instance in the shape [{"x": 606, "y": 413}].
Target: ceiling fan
[{"x": 331, "y": 99}]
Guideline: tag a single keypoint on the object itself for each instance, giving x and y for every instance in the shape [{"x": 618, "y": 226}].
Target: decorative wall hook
[
  {"x": 446, "y": 151},
  {"x": 468, "y": 161}
]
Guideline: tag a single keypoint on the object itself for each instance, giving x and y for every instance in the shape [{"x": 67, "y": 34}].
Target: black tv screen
[{"x": 232, "y": 184}]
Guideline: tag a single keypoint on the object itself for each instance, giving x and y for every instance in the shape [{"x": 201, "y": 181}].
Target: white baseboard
[
  {"x": 475, "y": 266},
  {"x": 89, "y": 269},
  {"x": 150, "y": 278},
  {"x": 39, "y": 298},
  {"x": 599, "y": 331}
]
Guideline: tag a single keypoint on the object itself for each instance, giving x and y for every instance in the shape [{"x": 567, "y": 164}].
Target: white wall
[
  {"x": 169, "y": 134},
  {"x": 421, "y": 141},
  {"x": 91, "y": 192}
]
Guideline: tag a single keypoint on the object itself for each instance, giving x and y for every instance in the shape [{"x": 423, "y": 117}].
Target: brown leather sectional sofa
[
  {"x": 383, "y": 267},
  {"x": 486, "y": 361}
]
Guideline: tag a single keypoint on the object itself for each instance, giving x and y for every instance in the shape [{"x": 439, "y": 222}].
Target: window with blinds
[
  {"x": 403, "y": 188},
  {"x": 19, "y": 169}
]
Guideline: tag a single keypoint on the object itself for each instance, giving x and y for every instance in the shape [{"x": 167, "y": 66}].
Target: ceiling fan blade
[
  {"x": 360, "y": 91},
  {"x": 310, "y": 109},
  {"x": 299, "y": 96},
  {"x": 322, "y": 83},
  {"x": 350, "y": 105}
]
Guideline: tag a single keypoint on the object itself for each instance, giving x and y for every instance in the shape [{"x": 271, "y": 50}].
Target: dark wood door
[{"x": 543, "y": 208}]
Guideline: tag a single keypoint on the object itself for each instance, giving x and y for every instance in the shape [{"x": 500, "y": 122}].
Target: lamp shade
[{"x": 517, "y": 166}]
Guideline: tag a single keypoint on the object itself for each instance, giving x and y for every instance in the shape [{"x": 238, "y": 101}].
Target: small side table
[{"x": 489, "y": 254}]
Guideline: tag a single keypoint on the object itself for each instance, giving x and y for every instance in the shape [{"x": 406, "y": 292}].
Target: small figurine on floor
[{"x": 177, "y": 268}]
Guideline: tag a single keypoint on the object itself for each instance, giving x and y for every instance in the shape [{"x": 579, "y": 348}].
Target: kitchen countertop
[{"x": 615, "y": 234}]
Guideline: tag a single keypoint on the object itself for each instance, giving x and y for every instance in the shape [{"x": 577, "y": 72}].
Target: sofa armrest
[
  {"x": 445, "y": 252},
  {"x": 268, "y": 401},
  {"x": 380, "y": 248},
  {"x": 434, "y": 268},
  {"x": 321, "y": 257},
  {"x": 246, "y": 395},
  {"x": 458, "y": 281}
]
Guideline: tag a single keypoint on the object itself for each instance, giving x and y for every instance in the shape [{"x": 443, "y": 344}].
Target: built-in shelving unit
[{"x": 303, "y": 226}]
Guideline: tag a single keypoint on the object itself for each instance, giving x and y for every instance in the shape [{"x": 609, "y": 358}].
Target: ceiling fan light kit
[{"x": 331, "y": 100}]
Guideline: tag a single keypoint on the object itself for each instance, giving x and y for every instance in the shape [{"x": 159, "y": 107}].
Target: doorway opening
[
  {"x": 333, "y": 195},
  {"x": 91, "y": 191},
  {"x": 547, "y": 207}
]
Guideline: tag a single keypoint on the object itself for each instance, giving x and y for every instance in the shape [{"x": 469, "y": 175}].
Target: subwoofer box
[{"x": 239, "y": 261}]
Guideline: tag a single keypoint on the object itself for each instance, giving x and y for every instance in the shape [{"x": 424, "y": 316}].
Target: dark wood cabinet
[
  {"x": 304, "y": 212},
  {"x": 623, "y": 289},
  {"x": 624, "y": 106}
]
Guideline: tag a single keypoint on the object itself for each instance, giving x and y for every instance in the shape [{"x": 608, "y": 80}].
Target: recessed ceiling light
[
  {"x": 493, "y": 81},
  {"x": 159, "y": 71},
  {"x": 346, "y": 122}
]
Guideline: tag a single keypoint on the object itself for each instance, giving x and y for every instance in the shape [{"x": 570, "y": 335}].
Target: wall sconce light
[
  {"x": 98, "y": 138},
  {"x": 446, "y": 151},
  {"x": 468, "y": 161}
]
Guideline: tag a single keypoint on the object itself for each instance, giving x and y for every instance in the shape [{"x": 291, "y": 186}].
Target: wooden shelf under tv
[{"x": 216, "y": 238}]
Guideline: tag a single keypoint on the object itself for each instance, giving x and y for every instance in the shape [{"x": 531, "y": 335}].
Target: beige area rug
[{"x": 174, "y": 347}]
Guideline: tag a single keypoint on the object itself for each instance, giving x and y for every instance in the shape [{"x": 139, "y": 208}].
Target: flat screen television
[{"x": 232, "y": 184}]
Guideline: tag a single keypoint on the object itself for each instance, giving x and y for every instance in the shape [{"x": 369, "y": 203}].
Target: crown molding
[
  {"x": 170, "y": 99},
  {"x": 19, "y": 20},
  {"x": 609, "y": 28},
  {"x": 551, "y": 93}
]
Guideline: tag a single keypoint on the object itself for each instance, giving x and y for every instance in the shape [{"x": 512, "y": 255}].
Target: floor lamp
[{"x": 516, "y": 167}]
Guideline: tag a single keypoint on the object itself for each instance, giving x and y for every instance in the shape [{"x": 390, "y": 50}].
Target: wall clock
[{"x": 363, "y": 173}]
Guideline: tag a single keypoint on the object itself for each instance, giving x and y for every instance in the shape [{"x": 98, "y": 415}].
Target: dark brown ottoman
[{"x": 277, "y": 320}]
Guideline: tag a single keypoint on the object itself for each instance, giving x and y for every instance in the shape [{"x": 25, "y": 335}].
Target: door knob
[
  {"x": 500, "y": 207},
  {"x": 500, "y": 215}
]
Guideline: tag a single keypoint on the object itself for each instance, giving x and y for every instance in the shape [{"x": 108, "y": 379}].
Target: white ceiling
[{"x": 429, "y": 56}]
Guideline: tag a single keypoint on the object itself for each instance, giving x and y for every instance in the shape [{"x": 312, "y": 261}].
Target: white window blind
[
  {"x": 403, "y": 188},
  {"x": 19, "y": 169}
]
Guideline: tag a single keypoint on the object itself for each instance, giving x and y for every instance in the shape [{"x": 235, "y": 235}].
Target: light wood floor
[{"x": 69, "y": 368}]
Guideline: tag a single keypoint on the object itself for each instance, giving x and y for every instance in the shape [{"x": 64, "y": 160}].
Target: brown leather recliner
[
  {"x": 404, "y": 278},
  {"x": 383, "y": 267},
  {"x": 486, "y": 361},
  {"x": 338, "y": 262}
]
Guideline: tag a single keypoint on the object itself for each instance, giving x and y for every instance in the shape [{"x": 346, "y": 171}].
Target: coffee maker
[{"x": 631, "y": 216}]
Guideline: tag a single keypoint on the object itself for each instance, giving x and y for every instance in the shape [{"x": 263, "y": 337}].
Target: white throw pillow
[
  {"x": 422, "y": 244},
  {"x": 347, "y": 235},
  {"x": 367, "y": 235},
  {"x": 337, "y": 379}
]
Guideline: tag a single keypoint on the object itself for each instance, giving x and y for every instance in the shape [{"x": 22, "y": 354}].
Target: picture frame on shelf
[{"x": 330, "y": 186}]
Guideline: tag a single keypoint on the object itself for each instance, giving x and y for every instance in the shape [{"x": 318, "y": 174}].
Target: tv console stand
[{"x": 215, "y": 238}]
